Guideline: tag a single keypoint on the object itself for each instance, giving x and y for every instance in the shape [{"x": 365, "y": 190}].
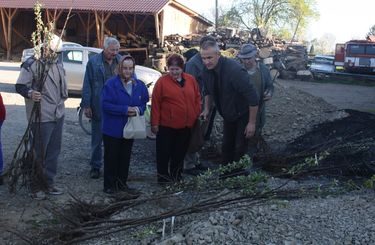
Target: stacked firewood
[{"x": 132, "y": 40}]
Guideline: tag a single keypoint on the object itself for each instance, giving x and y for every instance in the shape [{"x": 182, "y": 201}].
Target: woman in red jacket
[
  {"x": 2, "y": 118},
  {"x": 176, "y": 105}
]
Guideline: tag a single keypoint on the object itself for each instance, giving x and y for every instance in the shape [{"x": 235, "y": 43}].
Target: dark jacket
[
  {"x": 115, "y": 103},
  {"x": 195, "y": 67},
  {"x": 235, "y": 94},
  {"x": 93, "y": 84}
]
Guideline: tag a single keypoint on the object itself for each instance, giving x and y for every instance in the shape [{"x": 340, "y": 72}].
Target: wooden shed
[{"x": 91, "y": 20}]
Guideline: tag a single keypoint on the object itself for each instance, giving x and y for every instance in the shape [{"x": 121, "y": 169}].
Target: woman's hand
[
  {"x": 132, "y": 111},
  {"x": 155, "y": 129}
]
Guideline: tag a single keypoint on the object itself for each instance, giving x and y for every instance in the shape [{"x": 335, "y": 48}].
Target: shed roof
[{"x": 137, "y": 6}]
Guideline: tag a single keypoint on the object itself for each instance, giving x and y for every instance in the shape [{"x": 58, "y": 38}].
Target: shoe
[
  {"x": 94, "y": 173},
  {"x": 54, "y": 191},
  {"x": 129, "y": 190},
  {"x": 38, "y": 195},
  {"x": 109, "y": 191}
]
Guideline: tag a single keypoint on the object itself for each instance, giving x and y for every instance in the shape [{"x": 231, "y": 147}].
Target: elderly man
[
  {"x": 99, "y": 69},
  {"x": 52, "y": 110},
  {"x": 226, "y": 83},
  {"x": 261, "y": 77}
]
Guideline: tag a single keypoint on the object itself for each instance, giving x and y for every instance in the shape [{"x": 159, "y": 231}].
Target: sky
[{"x": 345, "y": 19}]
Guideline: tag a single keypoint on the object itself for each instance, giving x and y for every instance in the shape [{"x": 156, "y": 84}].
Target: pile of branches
[{"x": 228, "y": 189}]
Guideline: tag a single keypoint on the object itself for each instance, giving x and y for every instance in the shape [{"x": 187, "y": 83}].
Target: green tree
[
  {"x": 287, "y": 15},
  {"x": 300, "y": 12},
  {"x": 371, "y": 31}
]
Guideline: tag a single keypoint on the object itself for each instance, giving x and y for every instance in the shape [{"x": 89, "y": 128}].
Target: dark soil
[{"x": 349, "y": 142}]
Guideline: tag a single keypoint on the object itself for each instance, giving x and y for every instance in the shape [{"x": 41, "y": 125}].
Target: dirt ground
[{"x": 291, "y": 113}]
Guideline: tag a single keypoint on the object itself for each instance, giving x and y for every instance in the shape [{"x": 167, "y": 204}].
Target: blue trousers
[{"x": 96, "y": 144}]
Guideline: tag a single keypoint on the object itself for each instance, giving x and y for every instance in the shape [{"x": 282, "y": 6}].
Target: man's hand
[
  {"x": 267, "y": 95},
  {"x": 204, "y": 114},
  {"x": 249, "y": 130},
  {"x": 88, "y": 112},
  {"x": 155, "y": 129},
  {"x": 36, "y": 96},
  {"x": 132, "y": 111}
]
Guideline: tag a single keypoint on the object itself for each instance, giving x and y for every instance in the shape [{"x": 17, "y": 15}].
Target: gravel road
[{"x": 335, "y": 219}]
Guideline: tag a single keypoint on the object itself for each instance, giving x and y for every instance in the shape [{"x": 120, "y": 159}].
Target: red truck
[{"x": 356, "y": 56}]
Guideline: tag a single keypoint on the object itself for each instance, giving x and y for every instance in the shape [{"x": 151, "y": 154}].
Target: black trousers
[
  {"x": 171, "y": 147},
  {"x": 234, "y": 141},
  {"x": 116, "y": 161}
]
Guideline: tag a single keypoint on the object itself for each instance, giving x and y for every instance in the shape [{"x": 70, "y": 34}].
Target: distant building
[{"x": 91, "y": 20}]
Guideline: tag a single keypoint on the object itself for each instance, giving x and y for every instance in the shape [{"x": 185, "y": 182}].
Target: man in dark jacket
[
  {"x": 226, "y": 84},
  {"x": 99, "y": 69}
]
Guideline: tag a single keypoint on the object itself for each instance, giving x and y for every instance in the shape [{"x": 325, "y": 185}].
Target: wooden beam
[
  {"x": 134, "y": 23},
  {"x": 142, "y": 23},
  {"x": 22, "y": 37},
  {"x": 126, "y": 21}
]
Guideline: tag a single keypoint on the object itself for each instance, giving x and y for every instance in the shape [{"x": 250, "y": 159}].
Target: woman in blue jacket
[{"x": 122, "y": 95}]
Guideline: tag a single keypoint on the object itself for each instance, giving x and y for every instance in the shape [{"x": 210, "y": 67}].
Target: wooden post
[
  {"x": 7, "y": 28},
  {"x": 156, "y": 16},
  {"x": 100, "y": 26},
  {"x": 134, "y": 23},
  {"x": 161, "y": 26},
  {"x": 97, "y": 24}
]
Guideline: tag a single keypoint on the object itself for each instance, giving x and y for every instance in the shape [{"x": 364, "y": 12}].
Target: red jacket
[
  {"x": 2, "y": 109},
  {"x": 175, "y": 106}
]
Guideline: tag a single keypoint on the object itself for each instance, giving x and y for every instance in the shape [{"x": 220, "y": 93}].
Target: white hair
[{"x": 109, "y": 41}]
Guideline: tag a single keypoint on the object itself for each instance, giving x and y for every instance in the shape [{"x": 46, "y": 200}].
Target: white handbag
[{"x": 135, "y": 128}]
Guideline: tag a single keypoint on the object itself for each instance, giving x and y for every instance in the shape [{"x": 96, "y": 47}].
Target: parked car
[
  {"x": 75, "y": 59},
  {"x": 322, "y": 63},
  {"x": 26, "y": 53}
]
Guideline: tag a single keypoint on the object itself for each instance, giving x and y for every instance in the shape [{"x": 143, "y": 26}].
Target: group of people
[{"x": 112, "y": 94}]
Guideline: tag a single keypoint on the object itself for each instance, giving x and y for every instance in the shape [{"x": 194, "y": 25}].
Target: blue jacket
[
  {"x": 93, "y": 84},
  {"x": 115, "y": 103}
]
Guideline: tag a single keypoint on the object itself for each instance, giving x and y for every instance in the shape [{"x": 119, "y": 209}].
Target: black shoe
[
  {"x": 109, "y": 191},
  {"x": 94, "y": 173}
]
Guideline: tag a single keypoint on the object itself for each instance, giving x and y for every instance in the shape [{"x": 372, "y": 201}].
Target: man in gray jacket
[
  {"x": 51, "y": 98},
  {"x": 261, "y": 77},
  {"x": 226, "y": 84},
  {"x": 99, "y": 69}
]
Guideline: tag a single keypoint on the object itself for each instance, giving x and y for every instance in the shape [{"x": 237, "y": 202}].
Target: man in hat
[
  {"x": 261, "y": 77},
  {"x": 51, "y": 97},
  {"x": 227, "y": 84}
]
